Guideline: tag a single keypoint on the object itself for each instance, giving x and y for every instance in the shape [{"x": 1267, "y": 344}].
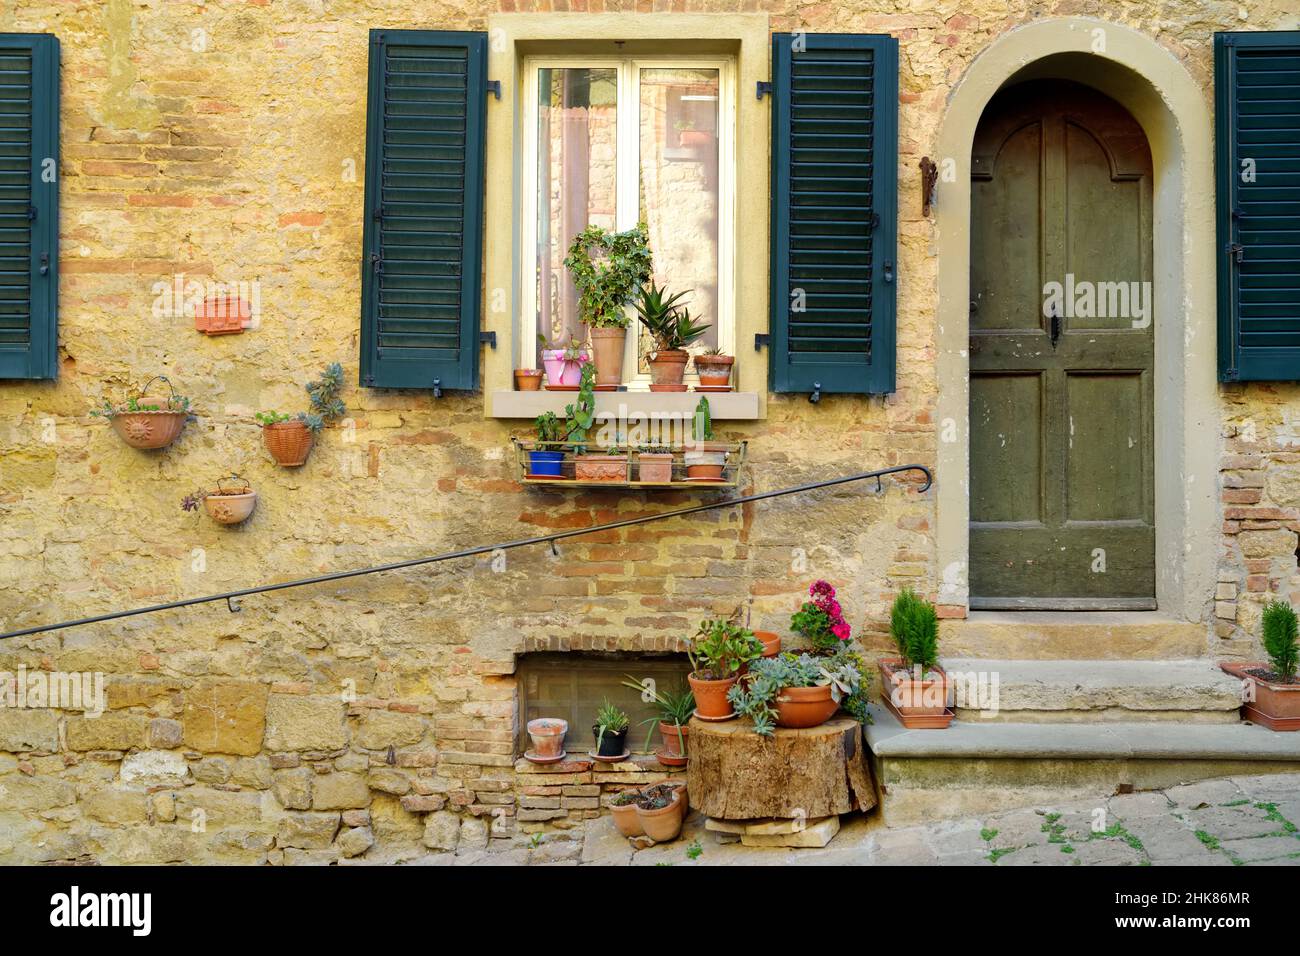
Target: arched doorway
[{"x": 1062, "y": 512}]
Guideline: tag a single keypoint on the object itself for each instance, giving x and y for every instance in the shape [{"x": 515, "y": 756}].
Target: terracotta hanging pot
[
  {"x": 153, "y": 429},
  {"x": 288, "y": 442},
  {"x": 607, "y": 344},
  {"x": 711, "y": 697},
  {"x": 230, "y": 505},
  {"x": 667, "y": 369}
]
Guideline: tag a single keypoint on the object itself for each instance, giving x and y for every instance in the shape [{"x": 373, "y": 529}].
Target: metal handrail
[{"x": 232, "y": 597}]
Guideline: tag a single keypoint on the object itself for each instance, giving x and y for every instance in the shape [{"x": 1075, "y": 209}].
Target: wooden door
[{"x": 1061, "y": 354}]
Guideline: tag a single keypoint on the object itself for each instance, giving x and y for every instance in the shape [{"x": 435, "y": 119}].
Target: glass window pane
[
  {"x": 679, "y": 196},
  {"x": 577, "y": 133}
]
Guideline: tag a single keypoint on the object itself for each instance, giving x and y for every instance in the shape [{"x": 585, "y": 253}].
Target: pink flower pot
[{"x": 558, "y": 370}]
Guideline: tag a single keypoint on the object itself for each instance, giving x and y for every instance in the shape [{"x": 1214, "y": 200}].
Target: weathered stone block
[
  {"x": 109, "y": 731},
  {"x": 305, "y": 723},
  {"x": 307, "y": 831},
  {"x": 381, "y": 729},
  {"x": 22, "y": 730},
  {"x": 390, "y": 781},
  {"x": 154, "y": 768},
  {"x": 226, "y": 717},
  {"x": 293, "y": 788},
  {"x": 441, "y": 830},
  {"x": 164, "y": 733},
  {"x": 340, "y": 791},
  {"x": 356, "y": 841},
  {"x": 116, "y": 806}
]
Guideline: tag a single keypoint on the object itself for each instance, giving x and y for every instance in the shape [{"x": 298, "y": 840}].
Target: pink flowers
[{"x": 821, "y": 620}]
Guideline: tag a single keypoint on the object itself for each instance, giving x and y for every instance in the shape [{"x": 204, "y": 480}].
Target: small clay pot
[
  {"x": 149, "y": 429},
  {"x": 706, "y": 460},
  {"x": 674, "y": 752},
  {"x": 626, "y": 820},
  {"x": 771, "y": 642},
  {"x": 600, "y": 468},
  {"x": 714, "y": 370},
  {"x": 665, "y": 823},
  {"x": 912, "y": 697},
  {"x": 711, "y": 697},
  {"x": 667, "y": 369},
  {"x": 608, "y": 346},
  {"x": 230, "y": 509},
  {"x": 547, "y": 735},
  {"x": 288, "y": 442},
  {"x": 654, "y": 467},
  {"x": 804, "y": 706},
  {"x": 528, "y": 379}
]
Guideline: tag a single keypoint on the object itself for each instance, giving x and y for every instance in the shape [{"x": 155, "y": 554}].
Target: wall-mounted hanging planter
[
  {"x": 148, "y": 420},
  {"x": 289, "y": 438},
  {"x": 222, "y": 315},
  {"x": 231, "y": 502}
]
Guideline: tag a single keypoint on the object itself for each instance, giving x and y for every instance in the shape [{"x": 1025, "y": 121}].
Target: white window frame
[{"x": 627, "y": 190}]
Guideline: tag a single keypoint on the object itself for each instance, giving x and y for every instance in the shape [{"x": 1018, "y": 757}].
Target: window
[{"x": 615, "y": 141}]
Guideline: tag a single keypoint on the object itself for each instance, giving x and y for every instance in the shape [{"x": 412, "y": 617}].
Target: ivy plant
[{"x": 608, "y": 270}]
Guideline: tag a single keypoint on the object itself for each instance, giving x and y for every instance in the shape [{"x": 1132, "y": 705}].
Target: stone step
[
  {"x": 1038, "y": 691},
  {"x": 1073, "y": 635},
  {"x": 978, "y": 766}
]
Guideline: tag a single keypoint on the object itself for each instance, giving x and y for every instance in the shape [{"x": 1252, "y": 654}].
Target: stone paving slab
[{"x": 1239, "y": 821}]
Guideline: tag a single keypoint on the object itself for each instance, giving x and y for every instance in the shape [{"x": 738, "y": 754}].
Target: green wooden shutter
[
  {"x": 1257, "y": 128},
  {"x": 834, "y": 212},
  {"x": 424, "y": 209},
  {"x": 29, "y": 205}
]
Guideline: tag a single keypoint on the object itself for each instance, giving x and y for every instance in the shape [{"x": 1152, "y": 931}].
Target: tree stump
[{"x": 735, "y": 774}]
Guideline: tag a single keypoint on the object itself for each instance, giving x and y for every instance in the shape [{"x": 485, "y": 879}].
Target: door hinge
[
  {"x": 494, "y": 87},
  {"x": 488, "y": 338},
  {"x": 764, "y": 89},
  {"x": 762, "y": 340}
]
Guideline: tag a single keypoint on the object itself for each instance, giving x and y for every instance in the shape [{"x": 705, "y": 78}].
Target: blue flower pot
[{"x": 545, "y": 464}]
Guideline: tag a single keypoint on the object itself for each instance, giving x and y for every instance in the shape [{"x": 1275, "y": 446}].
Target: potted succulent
[
  {"x": 546, "y": 458},
  {"x": 607, "y": 269},
  {"x": 563, "y": 365},
  {"x": 608, "y": 466},
  {"x": 912, "y": 683},
  {"x": 705, "y": 458},
  {"x": 547, "y": 736},
  {"x": 610, "y": 729},
  {"x": 623, "y": 807},
  {"x": 714, "y": 370},
  {"x": 654, "y": 463},
  {"x": 528, "y": 379},
  {"x": 225, "y": 505},
  {"x": 821, "y": 620},
  {"x": 796, "y": 690},
  {"x": 148, "y": 420},
  {"x": 673, "y": 329},
  {"x": 661, "y": 810},
  {"x": 289, "y": 438},
  {"x": 674, "y": 713},
  {"x": 1271, "y": 691},
  {"x": 718, "y": 653}
]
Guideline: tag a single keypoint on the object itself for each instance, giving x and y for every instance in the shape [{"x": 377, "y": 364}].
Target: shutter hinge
[
  {"x": 45, "y": 263},
  {"x": 762, "y": 340},
  {"x": 816, "y": 396},
  {"x": 1237, "y": 251},
  {"x": 437, "y": 388},
  {"x": 379, "y": 213},
  {"x": 31, "y": 213},
  {"x": 888, "y": 272},
  {"x": 368, "y": 381},
  {"x": 494, "y": 87},
  {"x": 764, "y": 89},
  {"x": 488, "y": 338},
  {"x": 375, "y": 262}
]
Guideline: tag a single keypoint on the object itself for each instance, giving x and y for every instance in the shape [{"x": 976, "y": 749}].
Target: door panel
[{"x": 1061, "y": 352}]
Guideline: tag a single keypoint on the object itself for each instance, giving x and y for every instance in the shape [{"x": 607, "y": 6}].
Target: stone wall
[{"x": 224, "y": 141}]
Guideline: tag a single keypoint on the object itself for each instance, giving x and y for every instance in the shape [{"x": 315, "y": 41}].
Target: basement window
[{"x": 573, "y": 685}]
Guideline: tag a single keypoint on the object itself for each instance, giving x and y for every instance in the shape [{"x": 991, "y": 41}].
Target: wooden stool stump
[{"x": 734, "y": 774}]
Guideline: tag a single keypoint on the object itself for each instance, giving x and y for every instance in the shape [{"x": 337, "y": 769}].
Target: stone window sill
[{"x": 722, "y": 405}]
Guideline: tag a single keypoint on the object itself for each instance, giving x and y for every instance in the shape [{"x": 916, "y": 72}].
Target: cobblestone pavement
[{"x": 1225, "y": 822}]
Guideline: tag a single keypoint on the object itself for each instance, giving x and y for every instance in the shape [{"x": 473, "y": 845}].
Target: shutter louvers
[
  {"x": 834, "y": 206},
  {"x": 424, "y": 207},
  {"x": 29, "y": 152},
  {"x": 1257, "y": 118}
]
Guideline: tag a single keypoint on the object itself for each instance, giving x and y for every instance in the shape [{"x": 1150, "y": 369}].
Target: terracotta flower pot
[
  {"x": 711, "y": 697},
  {"x": 667, "y": 369},
  {"x": 714, "y": 370},
  {"x": 149, "y": 429},
  {"x": 665, "y": 823},
  {"x": 912, "y": 697},
  {"x": 626, "y": 820},
  {"x": 288, "y": 442},
  {"x": 528, "y": 379},
  {"x": 600, "y": 468},
  {"x": 1276, "y": 705},
  {"x": 675, "y": 744},
  {"x": 706, "y": 460},
  {"x": 693, "y": 138},
  {"x": 547, "y": 735},
  {"x": 608, "y": 346},
  {"x": 654, "y": 467},
  {"x": 805, "y": 706},
  {"x": 230, "y": 509},
  {"x": 771, "y": 642}
]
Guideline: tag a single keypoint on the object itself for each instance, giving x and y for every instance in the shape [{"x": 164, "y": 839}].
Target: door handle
[{"x": 1055, "y": 327}]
